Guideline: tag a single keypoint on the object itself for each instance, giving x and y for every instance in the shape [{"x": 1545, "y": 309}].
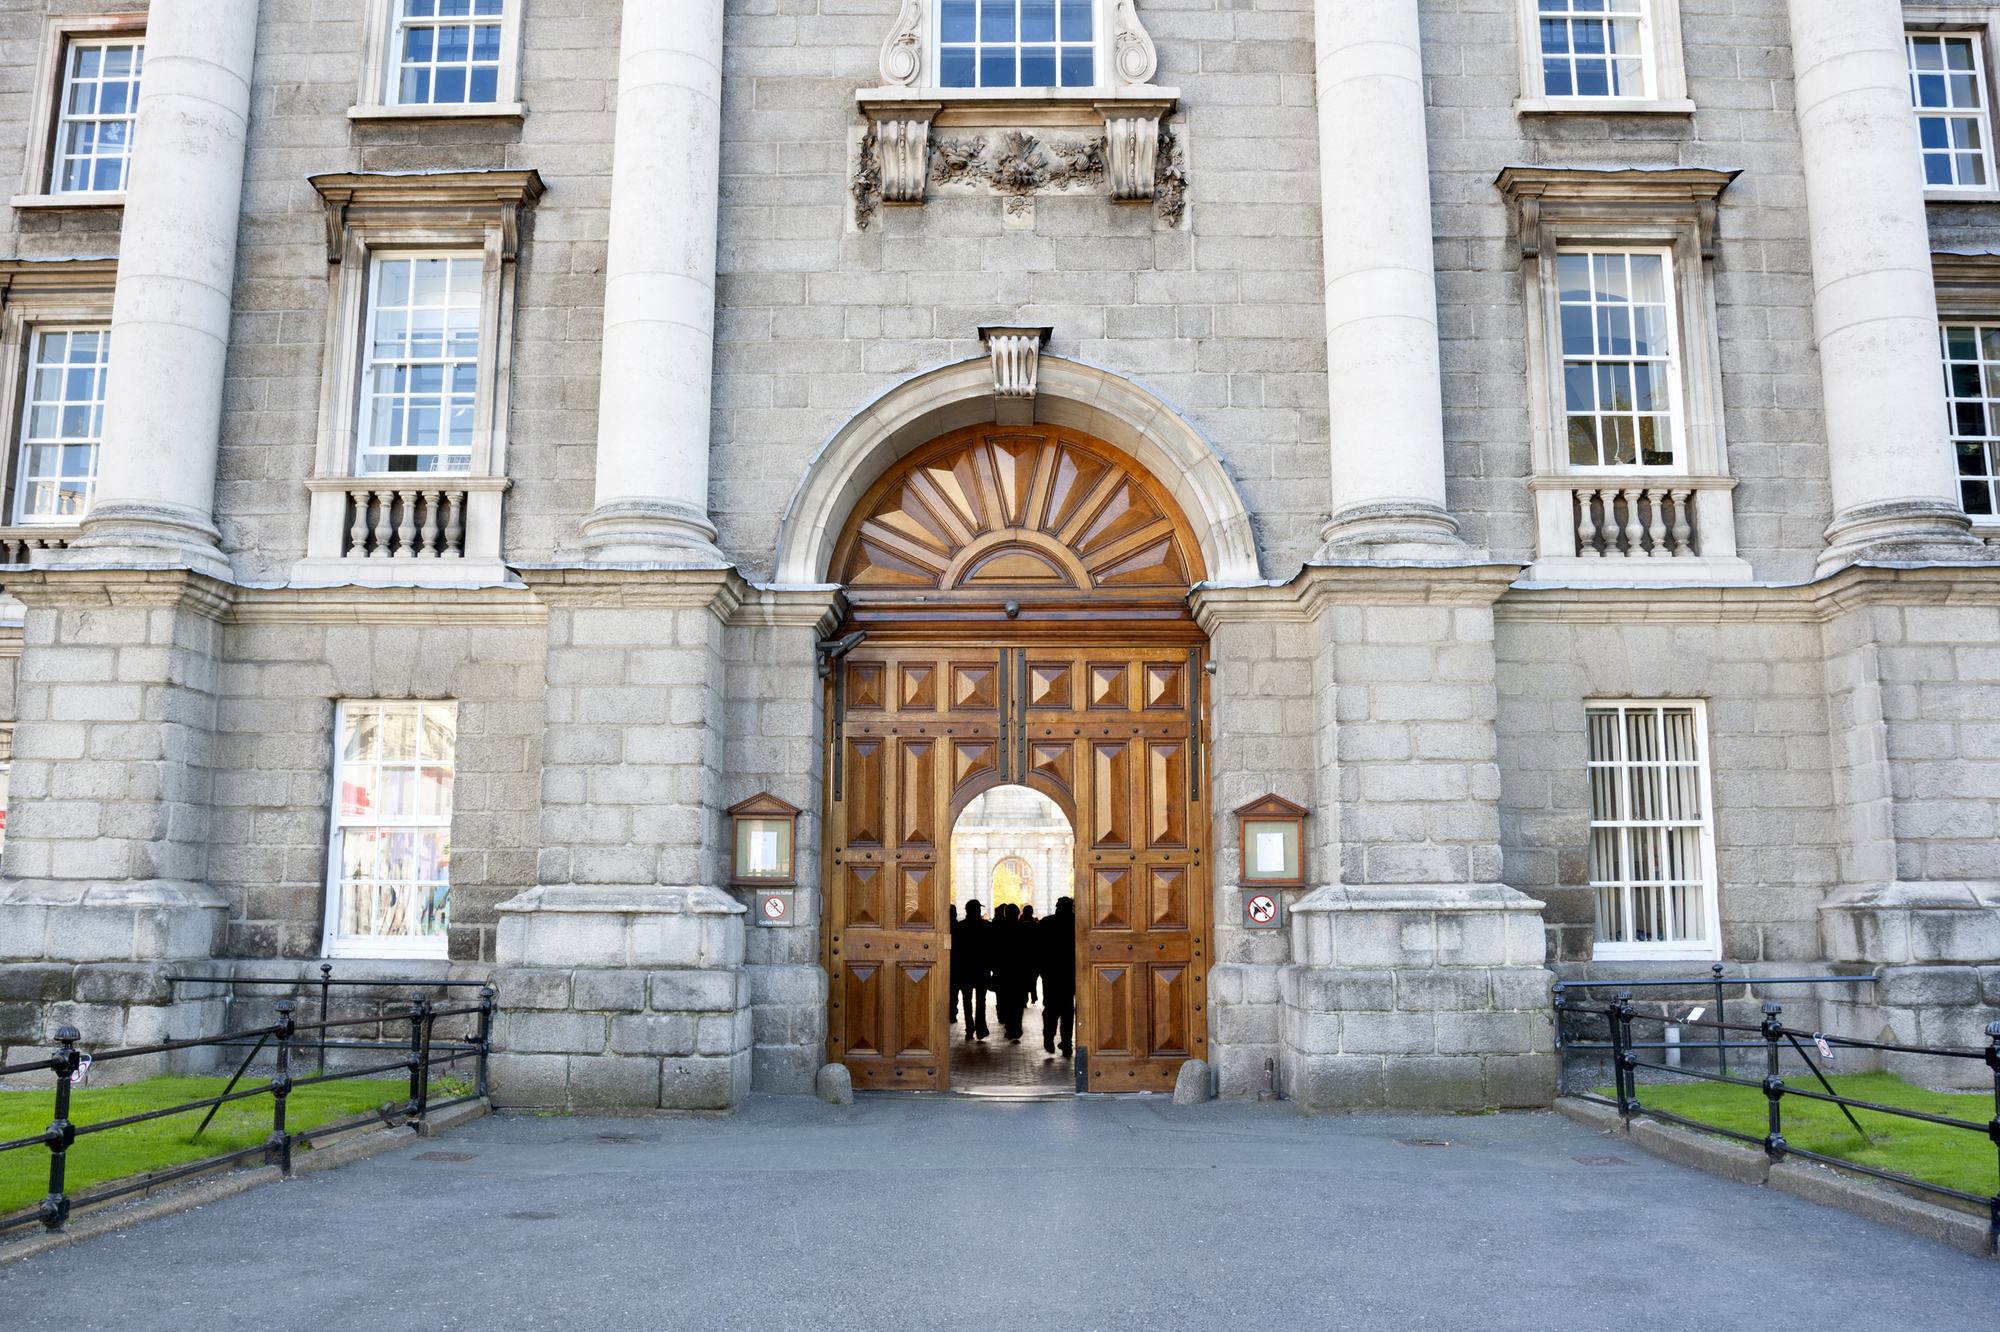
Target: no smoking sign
[{"x": 1261, "y": 911}]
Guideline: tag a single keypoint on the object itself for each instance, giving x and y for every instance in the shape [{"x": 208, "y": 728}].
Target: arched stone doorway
[{"x": 1024, "y": 594}]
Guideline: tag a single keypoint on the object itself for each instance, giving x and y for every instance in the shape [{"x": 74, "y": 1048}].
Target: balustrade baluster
[
  {"x": 1635, "y": 531},
  {"x": 406, "y": 531},
  {"x": 357, "y": 535},
  {"x": 453, "y": 530},
  {"x": 385, "y": 525},
  {"x": 1657, "y": 529},
  {"x": 1683, "y": 524},
  {"x": 1586, "y": 527},
  {"x": 430, "y": 533}
]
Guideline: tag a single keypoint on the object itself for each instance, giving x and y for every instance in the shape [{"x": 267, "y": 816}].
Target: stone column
[
  {"x": 1874, "y": 307},
  {"x": 176, "y": 272},
  {"x": 659, "y": 290},
  {"x": 1387, "y": 420}
]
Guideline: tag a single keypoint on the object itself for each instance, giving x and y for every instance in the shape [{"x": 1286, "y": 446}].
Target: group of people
[{"x": 1015, "y": 956}]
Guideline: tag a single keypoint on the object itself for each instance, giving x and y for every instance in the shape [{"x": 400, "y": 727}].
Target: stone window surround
[
  {"x": 1672, "y": 207},
  {"x": 35, "y": 293},
  {"x": 1707, "y": 949},
  {"x": 378, "y": 64},
  {"x": 1669, "y": 70},
  {"x": 1984, "y": 20},
  {"x": 1968, "y": 289},
  {"x": 58, "y": 31},
  {"x": 456, "y": 211}
]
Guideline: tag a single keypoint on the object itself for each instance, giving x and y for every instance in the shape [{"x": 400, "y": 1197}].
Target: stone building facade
[{"x": 431, "y": 423}]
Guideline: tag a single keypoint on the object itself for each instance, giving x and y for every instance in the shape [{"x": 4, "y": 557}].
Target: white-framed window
[
  {"x": 1018, "y": 43},
  {"x": 62, "y": 422},
  {"x": 389, "y": 860},
  {"x": 1594, "y": 48},
  {"x": 1619, "y": 360},
  {"x": 440, "y": 60},
  {"x": 1972, "y": 394},
  {"x": 420, "y": 377},
  {"x": 1948, "y": 89},
  {"x": 448, "y": 52},
  {"x": 1604, "y": 57},
  {"x": 1652, "y": 843},
  {"x": 100, "y": 105}
]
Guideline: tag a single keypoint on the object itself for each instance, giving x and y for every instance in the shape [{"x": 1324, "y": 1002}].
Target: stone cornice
[
  {"x": 674, "y": 586},
  {"x": 815, "y": 606},
  {"x": 1856, "y": 587},
  {"x": 59, "y": 587},
  {"x": 407, "y": 606},
  {"x": 481, "y": 198},
  {"x": 1358, "y": 583}
]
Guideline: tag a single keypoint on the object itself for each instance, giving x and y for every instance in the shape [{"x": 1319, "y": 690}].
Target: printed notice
[
  {"x": 1270, "y": 853},
  {"x": 763, "y": 852}
]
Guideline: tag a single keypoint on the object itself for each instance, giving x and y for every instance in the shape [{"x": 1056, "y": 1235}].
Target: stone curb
[
  {"x": 1802, "y": 1179},
  {"x": 347, "y": 1149}
]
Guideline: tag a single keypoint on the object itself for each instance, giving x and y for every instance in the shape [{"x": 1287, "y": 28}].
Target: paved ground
[
  {"x": 1083, "y": 1214},
  {"x": 998, "y": 1066}
]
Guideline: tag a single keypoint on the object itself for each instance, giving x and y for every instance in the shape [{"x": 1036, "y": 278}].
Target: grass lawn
[
  {"x": 160, "y": 1143},
  {"x": 1931, "y": 1152}
]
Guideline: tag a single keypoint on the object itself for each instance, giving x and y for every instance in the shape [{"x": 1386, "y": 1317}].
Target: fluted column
[
  {"x": 176, "y": 271},
  {"x": 1874, "y": 307},
  {"x": 659, "y": 290},
  {"x": 1387, "y": 421}
]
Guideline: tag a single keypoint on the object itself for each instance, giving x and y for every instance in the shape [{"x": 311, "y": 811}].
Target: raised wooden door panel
[
  {"x": 900, "y": 757},
  {"x": 1143, "y": 899},
  {"x": 1113, "y": 737}
]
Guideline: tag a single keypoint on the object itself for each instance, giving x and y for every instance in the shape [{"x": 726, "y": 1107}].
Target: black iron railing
[
  {"x": 1775, "y": 1037},
  {"x": 1567, "y": 1040},
  {"x": 419, "y": 1055}
]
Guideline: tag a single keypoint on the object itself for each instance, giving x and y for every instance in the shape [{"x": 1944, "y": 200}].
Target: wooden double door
[{"x": 1114, "y": 736}]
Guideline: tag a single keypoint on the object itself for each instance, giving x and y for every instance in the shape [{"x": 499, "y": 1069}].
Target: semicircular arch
[
  {"x": 1085, "y": 398},
  {"x": 1016, "y": 512}
]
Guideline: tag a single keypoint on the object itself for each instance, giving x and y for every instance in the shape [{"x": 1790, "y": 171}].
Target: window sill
[
  {"x": 1602, "y": 106},
  {"x": 984, "y": 97},
  {"x": 1654, "y": 953},
  {"x": 1961, "y": 196},
  {"x": 69, "y": 203},
  {"x": 458, "y": 111}
]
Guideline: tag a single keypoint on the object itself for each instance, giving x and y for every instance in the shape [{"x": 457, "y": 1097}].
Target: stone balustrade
[
  {"x": 19, "y": 544},
  {"x": 1635, "y": 521},
  {"x": 409, "y": 523}
]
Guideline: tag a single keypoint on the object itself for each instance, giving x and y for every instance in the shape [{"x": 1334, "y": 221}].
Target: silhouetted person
[
  {"x": 1056, "y": 948},
  {"x": 1030, "y": 949},
  {"x": 1012, "y": 961},
  {"x": 969, "y": 968},
  {"x": 953, "y": 909}
]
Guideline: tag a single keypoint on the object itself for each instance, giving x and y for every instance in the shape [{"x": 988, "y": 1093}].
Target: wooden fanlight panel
[
  {"x": 1036, "y": 512},
  {"x": 1094, "y": 697}
]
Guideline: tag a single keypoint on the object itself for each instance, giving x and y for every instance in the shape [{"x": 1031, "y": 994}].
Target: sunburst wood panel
[{"x": 986, "y": 509}]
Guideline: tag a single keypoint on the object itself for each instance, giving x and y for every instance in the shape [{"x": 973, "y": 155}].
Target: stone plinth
[
  {"x": 623, "y": 999},
  {"x": 66, "y": 921},
  {"x": 1936, "y": 947},
  {"x": 1417, "y": 997}
]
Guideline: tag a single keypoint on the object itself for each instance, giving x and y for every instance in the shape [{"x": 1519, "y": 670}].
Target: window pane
[
  {"x": 99, "y": 99},
  {"x": 1971, "y": 376},
  {"x": 1646, "y": 858},
  {"x": 62, "y": 420},
  {"x": 394, "y": 858},
  {"x": 1617, "y": 345}
]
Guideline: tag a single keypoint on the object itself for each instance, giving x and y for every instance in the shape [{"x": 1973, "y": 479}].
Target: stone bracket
[
  {"x": 1132, "y": 147},
  {"x": 1016, "y": 354}
]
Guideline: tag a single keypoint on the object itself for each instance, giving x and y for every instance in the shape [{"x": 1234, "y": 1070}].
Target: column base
[
  {"x": 1417, "y": 997},
  {"x": 649, "y": 532},
  {"x": 146, "y": 534},
  {"x": 69, "y": 921},
  {"x": 624, "y": 998},
  {"x": 1903, "y": 531},
  {"x": 1393, "y": 530}
]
